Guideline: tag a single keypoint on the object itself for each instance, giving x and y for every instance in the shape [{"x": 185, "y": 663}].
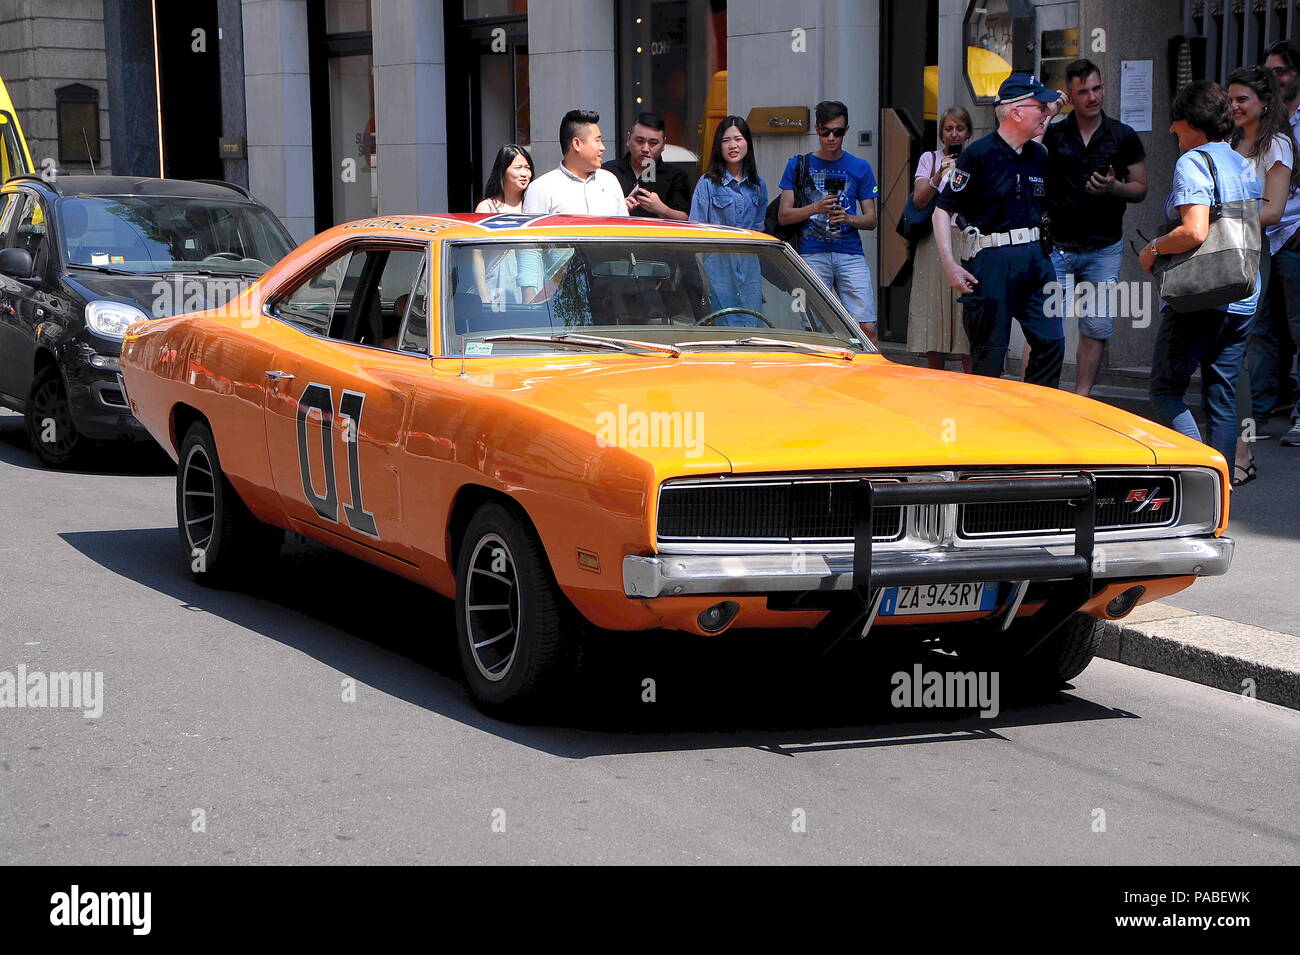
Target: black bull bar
[{"x": 1073, "y": 573}]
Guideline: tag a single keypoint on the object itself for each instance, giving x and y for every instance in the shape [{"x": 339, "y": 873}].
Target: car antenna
[{"x": 86, "y": 139}]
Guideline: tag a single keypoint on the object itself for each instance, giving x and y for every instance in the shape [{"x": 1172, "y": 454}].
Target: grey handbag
[{"x": 1223, "y": 268}]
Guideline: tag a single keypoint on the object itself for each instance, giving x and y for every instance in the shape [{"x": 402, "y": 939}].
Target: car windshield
[
  {"x": 693, "y": 294},
  {"x": 151, "y": 234}
]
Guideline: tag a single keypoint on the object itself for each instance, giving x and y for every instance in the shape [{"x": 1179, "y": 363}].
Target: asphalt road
[{"x": 232, "y": 703}]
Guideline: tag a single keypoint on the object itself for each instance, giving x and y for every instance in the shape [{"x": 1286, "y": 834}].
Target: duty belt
[{"x": 978, "y": 241}]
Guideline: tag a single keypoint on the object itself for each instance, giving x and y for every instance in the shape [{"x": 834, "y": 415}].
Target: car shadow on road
[
  {"x": 744, "y": 688},
  {"x": 119, "y": 459}
]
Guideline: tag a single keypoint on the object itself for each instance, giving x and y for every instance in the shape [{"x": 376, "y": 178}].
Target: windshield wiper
[
  {"x": 107, "y": 270},
  {"x": 211, "y": 273},
  {"x": 844, "y": 353},
  {"x": 590, "y": 341}
]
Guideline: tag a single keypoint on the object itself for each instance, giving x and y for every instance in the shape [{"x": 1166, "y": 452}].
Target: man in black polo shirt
[
  {"x": 996, "y": 193},
  {"x": 1096, "y": 166},
  {"x": 652, "y": 187}
]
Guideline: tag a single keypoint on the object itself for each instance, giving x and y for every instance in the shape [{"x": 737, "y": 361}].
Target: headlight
[{"x": 111, "y": 319}]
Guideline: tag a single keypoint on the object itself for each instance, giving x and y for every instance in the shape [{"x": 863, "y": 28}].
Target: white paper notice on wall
[{"x": 1135, "y": 91}]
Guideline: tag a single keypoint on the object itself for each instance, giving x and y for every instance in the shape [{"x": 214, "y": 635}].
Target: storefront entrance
[{"x": 487, "y": 91}]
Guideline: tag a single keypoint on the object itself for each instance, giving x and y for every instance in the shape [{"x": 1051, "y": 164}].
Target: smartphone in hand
[{"x": 952, "y": 149}]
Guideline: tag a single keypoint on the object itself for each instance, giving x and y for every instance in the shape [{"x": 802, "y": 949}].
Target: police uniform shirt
[{"x": 995, "y": 188}]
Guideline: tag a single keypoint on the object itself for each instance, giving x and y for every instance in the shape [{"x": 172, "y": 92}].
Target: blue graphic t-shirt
[{"x": 859, "y": 186}]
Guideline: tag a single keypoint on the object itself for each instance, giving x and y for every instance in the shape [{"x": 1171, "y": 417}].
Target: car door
[
  {"x": 338, "y": 396},
  {"x": 15, "y": 302}
]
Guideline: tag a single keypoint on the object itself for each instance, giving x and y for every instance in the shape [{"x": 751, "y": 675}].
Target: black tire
[
  {"x": 222, "y": 543},
  {"x": 1032, "y": 664},
  {"x": 505, "y": 595},
  {"x": 50, "y": 429},
  {"x": 1066, "y": 653}
]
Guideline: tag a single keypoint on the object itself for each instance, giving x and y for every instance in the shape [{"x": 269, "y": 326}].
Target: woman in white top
[
  {"x": 496, "y": 274},
  {"x": 1263, "y": 135},
  {"x": 934, "y": 324}
]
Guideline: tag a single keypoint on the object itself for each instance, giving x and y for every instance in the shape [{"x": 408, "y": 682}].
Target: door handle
[{"x": 279, "y": 376}]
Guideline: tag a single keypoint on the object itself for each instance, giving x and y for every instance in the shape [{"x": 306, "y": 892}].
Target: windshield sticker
[
  {"x": 478, "y": 348},
  {"x": 117, "y": 260},
  {"x": 99, "y": 258}
]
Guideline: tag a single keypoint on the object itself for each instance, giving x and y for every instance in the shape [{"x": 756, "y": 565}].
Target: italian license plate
[{"x": 937, "y": 598}]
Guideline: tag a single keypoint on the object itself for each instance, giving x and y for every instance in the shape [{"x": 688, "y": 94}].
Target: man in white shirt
[{"x": 578, "y": 186}]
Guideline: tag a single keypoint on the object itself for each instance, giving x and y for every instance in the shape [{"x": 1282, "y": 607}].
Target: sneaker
[{"x": 1292, "y": 438}]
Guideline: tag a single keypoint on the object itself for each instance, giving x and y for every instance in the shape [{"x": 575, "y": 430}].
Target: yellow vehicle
[{"x": 15, "y": 158}]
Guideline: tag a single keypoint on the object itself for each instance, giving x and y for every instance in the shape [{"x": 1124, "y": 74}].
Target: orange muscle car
[{"x": 572, "y": 424}]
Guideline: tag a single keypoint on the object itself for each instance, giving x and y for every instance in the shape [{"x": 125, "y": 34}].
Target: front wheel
[
  {"x": 1035, "y": 663},
  {"x": 50, "y": 429},
  {"x": 221, "y": 539},
  {"x": 516, "y": 632}
]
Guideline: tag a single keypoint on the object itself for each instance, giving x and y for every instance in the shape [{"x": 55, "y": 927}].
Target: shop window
[
  {"x": 992, "y": 29},
  {"x": 673, "y": 61}
]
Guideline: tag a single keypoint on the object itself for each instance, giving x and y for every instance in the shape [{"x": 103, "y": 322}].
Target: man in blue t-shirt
[{"x": 828, "y": 240}]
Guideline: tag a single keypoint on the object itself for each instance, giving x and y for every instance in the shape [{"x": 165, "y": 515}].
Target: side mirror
[{"x": 16, "y": 263}]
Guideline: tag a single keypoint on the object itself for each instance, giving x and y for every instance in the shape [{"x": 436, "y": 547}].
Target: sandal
[{"x": 1248, "y": 474}]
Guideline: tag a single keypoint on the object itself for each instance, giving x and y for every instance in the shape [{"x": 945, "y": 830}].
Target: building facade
[{"x": 329, "y": 110}]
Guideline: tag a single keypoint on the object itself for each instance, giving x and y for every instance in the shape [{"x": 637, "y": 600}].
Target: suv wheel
[{"x": 50, "y": 428}]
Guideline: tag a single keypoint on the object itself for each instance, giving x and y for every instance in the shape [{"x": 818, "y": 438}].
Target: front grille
[
  {"x": 807, "y": 510},
  {"x": 1122, "y": 502}
]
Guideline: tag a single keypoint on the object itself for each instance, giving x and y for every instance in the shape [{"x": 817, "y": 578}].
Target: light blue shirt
[
  {"x": 735, "y": 277},
  {"x": 1194, "y": 186}
]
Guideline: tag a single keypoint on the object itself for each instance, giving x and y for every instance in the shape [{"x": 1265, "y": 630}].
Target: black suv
[{"x": 83, "y": 258}]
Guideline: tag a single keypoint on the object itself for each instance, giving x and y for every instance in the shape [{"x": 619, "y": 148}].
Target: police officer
[{"x": 997, "y": 192}]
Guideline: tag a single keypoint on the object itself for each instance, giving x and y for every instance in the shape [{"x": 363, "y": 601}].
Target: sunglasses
[{"x": 837, "y": 132}]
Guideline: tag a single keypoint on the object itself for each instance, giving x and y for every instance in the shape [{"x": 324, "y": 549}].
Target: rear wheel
[
  {"x": 50, "y": 429},
  {"x": 516, "y": 632},
  {"x": 221, "y": 539}
]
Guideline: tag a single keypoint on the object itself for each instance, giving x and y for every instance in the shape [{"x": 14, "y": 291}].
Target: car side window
[
  {"x": 9, "y": 202},
  {"x": 315, "y": 305},
  {"x": 414, "y": 336},
  {"x": 31, "y": 233}
]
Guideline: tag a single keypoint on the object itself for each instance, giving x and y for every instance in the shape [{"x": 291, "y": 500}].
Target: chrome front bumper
[{"x": 722, "y": 574}]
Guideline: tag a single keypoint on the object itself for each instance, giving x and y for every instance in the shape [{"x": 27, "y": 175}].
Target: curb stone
[{"x": 1209, "y": 650}]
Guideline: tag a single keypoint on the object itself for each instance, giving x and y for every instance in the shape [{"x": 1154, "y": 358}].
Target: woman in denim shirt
[{"x": 732, "y": 193}]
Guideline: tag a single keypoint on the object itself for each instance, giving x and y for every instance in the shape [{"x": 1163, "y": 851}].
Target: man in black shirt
[
  {"x": 1096, "y": 166},
  {"x": 652, "y": 187}
]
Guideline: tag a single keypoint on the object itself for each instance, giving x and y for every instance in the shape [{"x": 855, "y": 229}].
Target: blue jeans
[
  {"x": 1277, "y": 313},
  {"x": 1013, "y": 282},
  {"x": 849, "y": 277},
  {"x": 1214, "y": 342},
  {"x": 1100, "y": 267}
]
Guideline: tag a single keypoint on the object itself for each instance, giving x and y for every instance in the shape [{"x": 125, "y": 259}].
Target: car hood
[
  {"x": 161, "y": 295},
  {"x": 781, "y": 412}
]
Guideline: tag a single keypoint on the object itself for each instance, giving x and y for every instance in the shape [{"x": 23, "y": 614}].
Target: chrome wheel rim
[
  {"x": 492, "y": 607},
  {"x": 198, "y": 499},
  {"x": 49, "y": 403}
]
